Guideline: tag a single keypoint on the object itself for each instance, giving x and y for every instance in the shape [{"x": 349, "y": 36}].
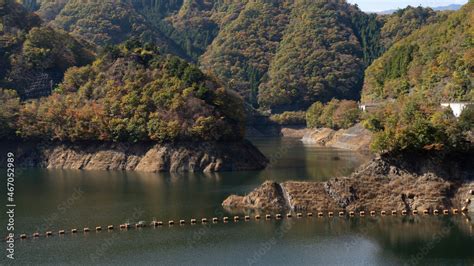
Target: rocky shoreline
[
  {"x": 146, "y": 157},
  {"x": 397, "y": 182},
  {"x": 356, "y": 138}
]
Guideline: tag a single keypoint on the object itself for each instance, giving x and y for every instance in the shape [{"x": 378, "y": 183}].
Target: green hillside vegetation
[
  {"x": 34, "y": 57},
  {"x": 417, "y": 123},
  {"x": 319, "y": 58},
  {"x": 436, "y": 61},
  {"x": 132, "y": 93},
  {"x": 48, "y": 10},
  {"x": 279, "y": 55},
  {"x": 289, "y": 118},
  {"x": 405, "y": 21},
  {"x": 273, "y": 51},
  {"x": 241, "y": 53},
  {"x": 110, "y": 22},
  {"x": 336, "y": 114},
  {"x": 190, "y": 26}
]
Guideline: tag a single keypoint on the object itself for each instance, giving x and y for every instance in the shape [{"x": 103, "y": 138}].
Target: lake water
[{"x": 59, "y": 199}]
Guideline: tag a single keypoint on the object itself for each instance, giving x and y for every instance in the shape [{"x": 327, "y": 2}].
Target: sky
[{"x": 383, "y": 5}]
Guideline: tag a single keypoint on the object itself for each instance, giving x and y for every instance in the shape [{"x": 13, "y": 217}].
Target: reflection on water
[{"x": 60, "y": 199}]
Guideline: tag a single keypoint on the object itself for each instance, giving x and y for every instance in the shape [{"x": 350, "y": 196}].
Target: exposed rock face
[
  {"x": 356, "y": 138},
  {"x": 294, "y": 131},
  {"x": 269, "y": 195},
  {"x": 170, "y": 157},
  {"x": 409, "y": 182}
]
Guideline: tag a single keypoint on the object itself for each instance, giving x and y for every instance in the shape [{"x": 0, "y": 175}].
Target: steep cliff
[{"x": 146, "y": 157}]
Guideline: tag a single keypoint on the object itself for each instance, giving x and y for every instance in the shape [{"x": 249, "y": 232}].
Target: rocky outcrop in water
[
  {"x": 356, "y": 138},
  {"x": 402, "y": 182},
  {"x": 169, "y": 157}
]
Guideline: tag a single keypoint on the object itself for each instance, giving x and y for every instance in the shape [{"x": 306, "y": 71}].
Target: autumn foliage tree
[{"x": 133, "y": 93}]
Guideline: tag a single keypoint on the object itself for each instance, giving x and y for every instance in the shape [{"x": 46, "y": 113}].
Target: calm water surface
[{"x": 58, "y": 199}]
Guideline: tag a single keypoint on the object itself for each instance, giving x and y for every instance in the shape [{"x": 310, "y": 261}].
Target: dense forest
[
  {"x": 34, "y": 57},
  {"x": 430, "y": 65},
  {"x": 436, "y": 60},
  {"x": 130, "y": 93},
  {"x": 280, "y": 56}
]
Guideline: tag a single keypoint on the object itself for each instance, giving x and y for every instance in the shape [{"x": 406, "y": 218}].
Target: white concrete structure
[
  {"x": 457, "y": 107},
  {"x": 367, "y": 107}
]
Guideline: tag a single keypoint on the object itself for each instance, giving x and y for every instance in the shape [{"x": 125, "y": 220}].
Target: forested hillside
[
  {"x": 110, "y": 22},
  {"x": 319, "y": 58},
  {"x": 280, "y": 55},
  {"x": 130, "y": 93},
  {"x": 35, "y": 57},
  {"x": 242, "y": 52},
  {"x": 436, "y": 60}
]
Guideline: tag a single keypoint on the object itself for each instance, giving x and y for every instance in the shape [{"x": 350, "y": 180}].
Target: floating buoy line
[{"x": 236, "y": 219}]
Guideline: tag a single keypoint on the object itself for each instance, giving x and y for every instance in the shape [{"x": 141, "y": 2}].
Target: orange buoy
[{"x": 125, "y": 226}]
